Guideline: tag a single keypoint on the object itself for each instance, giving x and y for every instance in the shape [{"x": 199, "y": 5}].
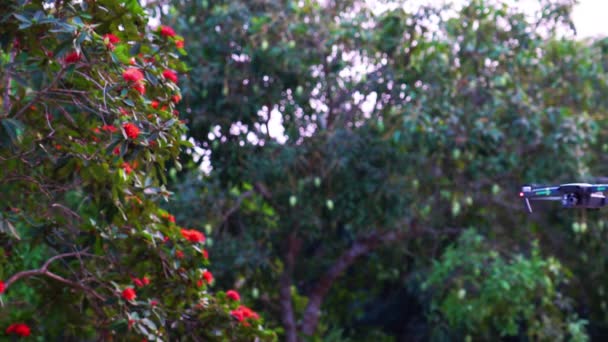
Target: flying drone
[{"x": 573, "y": 195}]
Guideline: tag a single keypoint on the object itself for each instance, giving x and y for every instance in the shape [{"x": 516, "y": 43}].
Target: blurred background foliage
[{"x": 402, "y": 137}]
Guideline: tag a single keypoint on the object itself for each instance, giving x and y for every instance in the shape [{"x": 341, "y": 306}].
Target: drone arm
[
  {"x": 528, "y": 193},
  {"x": 599, "y": 188}
]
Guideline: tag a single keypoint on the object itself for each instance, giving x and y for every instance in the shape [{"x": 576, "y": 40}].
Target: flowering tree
[{"x": 88, "y": 121}]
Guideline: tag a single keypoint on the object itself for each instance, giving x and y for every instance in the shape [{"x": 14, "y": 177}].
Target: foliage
[
  {"x": 409, "y": 124},
  {"x": 479, "y": 290},
  {"x": 88, "y": 127}
]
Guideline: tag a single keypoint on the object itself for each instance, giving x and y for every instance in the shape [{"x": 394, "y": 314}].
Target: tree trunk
[{"x": 289, "y": 318}]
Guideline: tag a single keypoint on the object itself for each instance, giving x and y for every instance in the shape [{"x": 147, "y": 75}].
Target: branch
[
  {"x": 360, "y": 248},
  {"x": 235, "y": 207},
  {"x": 259, "y": 188},
  {"x": 41, "y": 93},
  {"x": 43, "y": 271}
]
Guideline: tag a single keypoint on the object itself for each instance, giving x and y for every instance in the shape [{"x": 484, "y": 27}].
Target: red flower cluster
[
  {"x": 179, "y": 254},
  {"x": 205, "y": 254},
  {"x": 208, "y": 277},
  {"x": 131, "y": 130},
  {"x": 179, "y": 44},
  {"x": 170, "y": 75},
  {"x": 109, "y": 128},
  {"x": 20, "y": 329},
  {"x": 110, "y": 39},
  {"x": 133, "y": 75},
  {"x": 127, "y": 167},
  {"x": 232, "y": 294},
  {"x": 2, "y": 286},
  {"x": 129, "y": 294},
  {"x": 155, "y": 104},
  {"x": 243, "y": 313},
  {"x": 141, "y": 282},
  {"x": 176, "y": 98},
  {"x": 136, "y": 77},
  {"x": 140, "y": 87},
  {"x": 72, "y": 57},
  {"x": 167, "y": 31},
  {"x": 193, "y": 235}
]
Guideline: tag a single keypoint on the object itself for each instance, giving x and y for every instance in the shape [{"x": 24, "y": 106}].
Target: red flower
[
  {"x": 232, "y": 294},
  {"x": 129, "y": 293},
  {"x": 155, "y": 104},
  {"x": 154, "y": 303},
  {"x": 208, "y": 277},
  {"x": 179, "y": 44},
  {"x": 127, "y": 167},
  {"x": 2, "y": 286},
  {"x": 123, "y": 112},
  {"x": 167, "y": 31},
  {"x": 116, "y": 150},
  {"x": 140, "y": 87},
  {"x": 170, "y": 75},
  {"x": 168, "y": 217},
  {"x": 72, "y": 57},
  {"x": 20, "y": 329},
  {"x": 110, "y": 39},
  {"x": 109, "y": 128},
  {"x": 179, "y": 254},
  {"x": 176, "y": 98},
  {"x": 131, "y": 130},
  {"x": 145, "y": 280},
  {"x": 242, "y": 313},
  {"x": 138, "y": 282},
  {"x": 193, "y": 235},
  {"x": 205, "y": 254},
  {"x": 133, "y": 75}
]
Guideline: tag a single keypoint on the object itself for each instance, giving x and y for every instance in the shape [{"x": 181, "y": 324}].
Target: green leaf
[
  {"x": 22, "y": 18},
  {"x": 149, "y": 323},
  {"x": 7, "y": 227},
  {"x": 15, "y": 129}
]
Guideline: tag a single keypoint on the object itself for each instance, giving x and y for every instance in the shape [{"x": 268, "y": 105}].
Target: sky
[{"x": 590, "y": 18}]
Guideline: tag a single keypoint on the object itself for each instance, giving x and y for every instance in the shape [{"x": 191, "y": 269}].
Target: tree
[
  {"x": 88, "y": 126},
  {"x": 449, "y": 118}
]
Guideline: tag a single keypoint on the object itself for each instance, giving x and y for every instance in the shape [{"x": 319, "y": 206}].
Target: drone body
[{"x": 572, "y": 195}]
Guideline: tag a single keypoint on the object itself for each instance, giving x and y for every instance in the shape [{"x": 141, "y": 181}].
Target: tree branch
[
  {"x": 288, "y": 315},
  {"x": 360, "y": 248},
  {"x": 43, "y": 271}
]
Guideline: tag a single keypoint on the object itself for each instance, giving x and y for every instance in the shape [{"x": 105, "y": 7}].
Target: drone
[{"x": 572, "y": 195}]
